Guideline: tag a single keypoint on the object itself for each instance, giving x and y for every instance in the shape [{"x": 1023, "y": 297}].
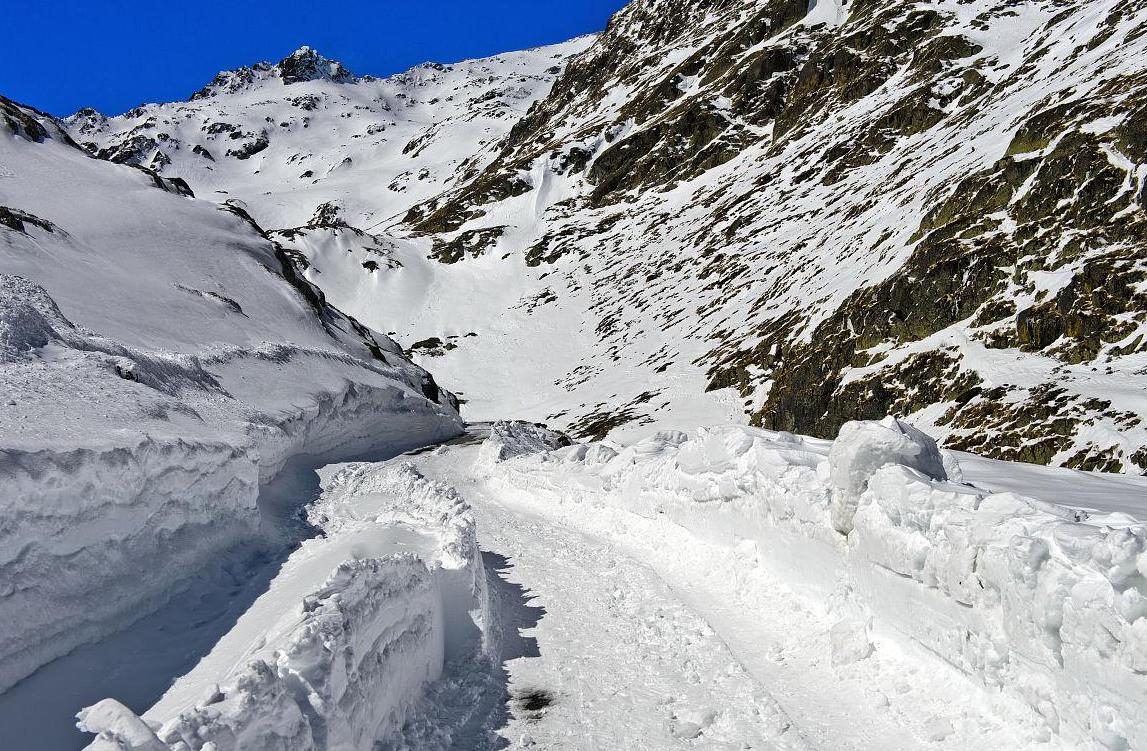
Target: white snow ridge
[
  {"x": 348, "y": 635},
  {"x": 754, "y": 374}
]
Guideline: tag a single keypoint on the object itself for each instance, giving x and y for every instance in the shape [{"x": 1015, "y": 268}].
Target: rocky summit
[{"x": 786, "y": 213}]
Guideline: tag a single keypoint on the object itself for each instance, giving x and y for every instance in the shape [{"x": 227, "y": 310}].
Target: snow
[
  {"x": 118, "y": 728},
  {"x": 667, "y": 572},
  {"x": 509, "y": 439},
  {"x": 719, "y": 587},
  {"x": 451, "y": 116},
  {"x": 376, "y": 148},
  {"x": 373, "y": 146},
  {"x": 630, "y": 585},
  {"x": 863, "y": 448},
  {"x": 1096, "y": 493},
  {"x": 348, "y": 635},
  {"x": 158, "y": 370},
  {"x": 831, "y": 12},
  {"x": 1018, "y": 595}
]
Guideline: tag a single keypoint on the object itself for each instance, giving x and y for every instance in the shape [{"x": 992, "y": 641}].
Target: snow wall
[
  {"x": 332, "y": 659},
  {"x": 1025, "y": 597},
  {"x": 119, "y": 509}
]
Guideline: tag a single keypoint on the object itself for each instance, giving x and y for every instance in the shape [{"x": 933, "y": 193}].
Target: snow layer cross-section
[{"x": 159, "y": 361}]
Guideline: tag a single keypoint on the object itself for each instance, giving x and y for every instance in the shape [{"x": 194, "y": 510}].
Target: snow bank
[
  {"x": 1025, "y": 596},
  {"x": 160, "y": 362},
  {"x": 402, "y": 495},
  {"x": 82, "y": 519},
  {"x": 347, "y": 637}
]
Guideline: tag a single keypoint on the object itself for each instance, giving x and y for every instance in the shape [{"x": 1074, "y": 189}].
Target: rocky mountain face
[{"x": 755, "y": 210}]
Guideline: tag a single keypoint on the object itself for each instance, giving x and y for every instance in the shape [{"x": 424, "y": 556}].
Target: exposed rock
[{"x": 306, "y": 64}]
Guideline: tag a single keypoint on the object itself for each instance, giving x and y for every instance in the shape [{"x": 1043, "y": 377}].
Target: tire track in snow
[
  {"x": 896, "y": 699},
  {"x": 632, "y": 666}
]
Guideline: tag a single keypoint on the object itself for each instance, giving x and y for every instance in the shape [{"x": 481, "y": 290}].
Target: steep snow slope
[
  {"x": 160, "y": 360},
  {"x": 743, "y": 209}
]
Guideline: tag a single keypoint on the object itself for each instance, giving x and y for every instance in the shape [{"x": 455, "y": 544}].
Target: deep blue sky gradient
[{"x": 114, "y": 55}]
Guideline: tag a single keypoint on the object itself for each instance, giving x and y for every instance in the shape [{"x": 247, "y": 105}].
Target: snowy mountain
[
  {"x": 289, "y": 137},
  {"x": 931, "y": 209},
  {"x": 734, "y": 210},
  {"x": 160, "y": 361},
  {"x": 802, "y": 215}
]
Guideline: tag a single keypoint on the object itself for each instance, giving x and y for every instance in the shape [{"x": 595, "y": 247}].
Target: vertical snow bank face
[
  {"x": 1022, "y": 595},
  {"x": 347, "y": 637},
  {"x": 159, "y": 360},
  {"x": 80, "y": 522},
  {"x": 69, "y": 514}
]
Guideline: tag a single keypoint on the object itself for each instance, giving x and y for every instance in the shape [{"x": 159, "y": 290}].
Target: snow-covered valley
[{"x": 539, "y": 401}]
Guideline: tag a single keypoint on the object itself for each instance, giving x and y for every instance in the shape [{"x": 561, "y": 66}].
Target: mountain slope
[
  {"x": 160, "y": 361},
  {"x": 288, "y": 137},
  {"x": 932, "y": 209},
  {"x": 757, "y": 211}
]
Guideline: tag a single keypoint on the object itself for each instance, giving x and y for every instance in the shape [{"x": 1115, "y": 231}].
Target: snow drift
[
  {"x": 346, "y": 639},
  {"x": 1030, "y": 598},
  {"x": 160, "y": 361}
]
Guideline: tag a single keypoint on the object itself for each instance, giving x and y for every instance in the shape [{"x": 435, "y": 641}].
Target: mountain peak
[{"x": 306, "y": 64}]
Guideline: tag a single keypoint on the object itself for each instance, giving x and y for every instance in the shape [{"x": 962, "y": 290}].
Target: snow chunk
[
  {"x": 850, "y": 642},
  {"x": 509, "y": 439},
  {"x": 863, "y": 448},
  {"x": 118, "y": 728}
]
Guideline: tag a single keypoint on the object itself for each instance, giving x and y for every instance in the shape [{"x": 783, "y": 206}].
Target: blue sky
[{"x": 113, "y": 55}]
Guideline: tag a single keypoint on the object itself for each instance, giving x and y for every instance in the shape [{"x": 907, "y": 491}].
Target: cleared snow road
[
  {"x": 641, "y": 636},
  {"x": 618, "y": 632}
]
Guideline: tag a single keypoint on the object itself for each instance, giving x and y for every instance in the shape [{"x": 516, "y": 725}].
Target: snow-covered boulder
[{"x": 863, "y": 448}]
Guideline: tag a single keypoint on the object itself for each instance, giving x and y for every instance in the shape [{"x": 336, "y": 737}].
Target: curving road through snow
[
  {"x": 620, "y": 628},
  {"x": 643, "y": 636}
]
